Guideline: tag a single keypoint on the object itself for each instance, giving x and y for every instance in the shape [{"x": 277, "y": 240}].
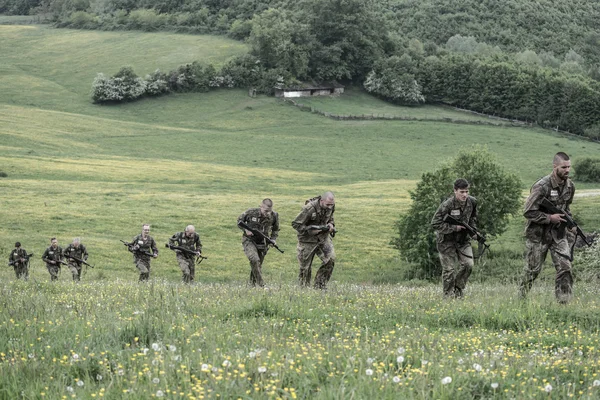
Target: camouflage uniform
[
  {"x": 255, "y": 248},
  {"x": 75, "y": 266},
  {"x": 542, "y": 236},
  {"x": 454, "y": 247},
  {"x": 187, "y": 262},
  {"x": 53, "y": 254},
  {"x": 142, "y": 261},
  {"x": 20, "y": 262},
  {"x": 309, "y": 245}
]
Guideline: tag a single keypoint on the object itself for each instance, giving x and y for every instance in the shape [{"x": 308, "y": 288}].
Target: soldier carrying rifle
[
  {"x": 19, "y": 259},
  {"x": 76, "y": 254},
  {"x": 53, "y": 257},
  {"x": 188, "y": 247},
  {"x": 143, "y": 248}
]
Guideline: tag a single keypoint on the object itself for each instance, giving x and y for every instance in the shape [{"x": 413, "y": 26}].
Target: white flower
[
  {"x": 30, "y": 355},
  {"x": 370, "y": 360},
  {"x": 155, "y": 362},
  {"x": 80, "y": 383},
  {"x": 70, "y": 389},
  {"x": 98, "y": 377},
  {"x": 461, "y": 361},
  {"x": 172, "y": 348},
  {"x": 494, "y": 385},
  {"x": 401, "y": 350},
  {"x": 274, "y": 374},
  {"x": 548, "y": 388},
  {"x": 155, "y": 380},
  {"x": 226, "y": 363},
  {"x": 159, "y": 393},
  {"x": 145, "y": 350},
  {"x": 396, "y": 379},
  {"x": 215, "y": 369},
  {"x": 369, "y": 372},
  {"x": 262, "y": 370},
  {"x": 252, "y": 354},
  {"x": 155, "y": 346},
  {"x": 446, "y": 380},
  {"x": 120, "y": 372},
  {"x": 596, "y": 383},
  {"x": 204, "y": 367},
  {"x": 400, "y": 359},
  {"x": 177, "y": 358},
  {"x": 75, "y": 357},
  {"x": 424, "y": 362},
  {"x": 477, "y": 367}
]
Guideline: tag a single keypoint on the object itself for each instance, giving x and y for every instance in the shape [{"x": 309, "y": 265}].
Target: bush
[
  {"x": 156, "y": 83},
  {"x": 498, "y": 195},
  {"x": 82, "y": 19},
  {"x": 123, "y": 86},
  {"x": 587, "y": 169}
]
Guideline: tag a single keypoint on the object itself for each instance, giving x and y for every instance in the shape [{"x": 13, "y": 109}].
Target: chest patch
[
  {"x": 314, "y": 215},
  {"x": 16, "y": 254},
  {"x": 50, "y": 252},
  {"x": 455, "y": 213},
  {"x": 183, "y": 241},
  {"x": 254, "y": 219},
  {"x": 140, "y": 242},
  {"x": 554, "y": 193}
]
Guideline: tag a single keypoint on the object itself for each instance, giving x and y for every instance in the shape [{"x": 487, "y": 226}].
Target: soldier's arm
[
  {"x": 437, "y": 222},
  {"x": 198, "y": 243},
  {"x": 473, "y": 217},
  {"x": 331, "y": 219},
  {"x": 242, "y": 218},
  {"x": 154, "y": 248},
  {"x": 300, "y": 223},
  {"x": 568, "y": 205},
  {"x": 85, "y": 254},
  {"x": 45, "y": 256},
  {"x": 532, "y": 206},
  {"x": 173, "y": 239},
  {"x": 275, "y": 227}
]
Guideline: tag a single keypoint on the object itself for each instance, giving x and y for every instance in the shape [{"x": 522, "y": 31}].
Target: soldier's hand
[
  {"x": 557, "y": 218},
  {"x": 136, "y": 247},
  {"x": 52, "y": 262},
  {"x": 248, "y": 233},
  {"x": 331, "y": 227},
  {"x": 154, "y": 255},
  {"x": 458, "y": 228}
]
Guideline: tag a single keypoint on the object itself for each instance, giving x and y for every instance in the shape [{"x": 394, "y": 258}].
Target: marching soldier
[
  {"x": 143, "y": 247},
  {"x": 19, "y": 259},
  {"x": 53, "y": 257},
  {"x": 189, "y": 240},
  {"x": 74, "y": 253}
]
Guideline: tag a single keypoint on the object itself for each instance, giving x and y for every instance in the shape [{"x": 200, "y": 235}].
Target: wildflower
[
  {"x": 401, "y": 350},
  {"x": 145, "y": 350},
  {"x": 369, "y": 372},
  {"x": 31, "y": 355},
  {"x": 155, "y": 362},
  {"x": 370, "y": 360},
  {"x": 446, "y": 380},
  {"x": 262, "y": 370},
  {"x": 204, "y": 367},
  {"x": 98, "y": 377},
  {"x": 177, "y": 358},
  {"x": 226, "y": 363},
  {"x": 424, "y": 362},
  {"x": 75, "y": 357},
  {"x": 215, "y": 369},
  {"x": 396, "y": 379},
  {"x": 548, "y": 388},
  {"x": 400, "y": 359},
  {"x": 155, "y": 380},
  {"x": 596, "y": 383},
  {"x": 155, "y": 346},
  {"x": 494, "y": 385},
  {"x": 477, "y": 367},
  {"x": 80, "y": 383},
  {"x": 120, "y": 372},
  {"x": 252, "y": 354},
  {"x": 159, "y": 393},
  {"x": 172, "y": 348},
  {"x": 70, "y": 389},
  {"x": 461, "y": 361}
]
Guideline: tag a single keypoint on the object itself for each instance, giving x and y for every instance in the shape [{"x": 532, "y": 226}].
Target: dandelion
[
  {"x": 461, "y": 361},
  {"x": 215, "y": 369},
  {"x": 30, "y": 355},
  {"x": 369, "y": 372},
  {"x": 155, "y": 380},
  {"x": 274, "y": 374},
  {"x": 548, "y": 388},
  {"x": 596, "y": 383},
  {"x": 401, "y": 350},
  {"x": 370, "y": 360},
  {"x": 70, "y": 389},
  {"x": 80, "y": 383},
  {"x": 75, "y": 357},
  {"x": 177, "y": 358},
  {"x": 494, "y": 385},
  {"x": 98, "y": 377},
  {"x": 446, "y": 380},
  {"x": 172, "y": 348},
  {"x": 145, "y": 350},
  {"x": 477, "y": 367},
  {"x": 155, "y": 362},
  {"x": 262, "y": 370},
  {"x": 204, "y": 367},
  {"x": 424, "y": 362},
  {"x": 159, "y": 393},
  {"x": 226, "y": 363},
  {"x": 396, "y": 379},
  {"x": 400, "y": 359},
  {"x": 120, "y": 372},
  {"x": 252, "y": 354},
  {"x": 155, "y": 346}
]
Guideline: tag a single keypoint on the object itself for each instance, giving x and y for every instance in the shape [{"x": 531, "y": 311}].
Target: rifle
[
  {"x": 199, "y": 257},
  {"x": 547, "y": 206},
  {"x": 139, "y": 251},
  {"x": 322, "y": 228},
  {"x": 21, "y": 260},
  {"x": 259, "y": 234},
  {"x": 480, "y": 237},
  {"x": 80, "y": 261},
  {"x": 63, "y": 262}
]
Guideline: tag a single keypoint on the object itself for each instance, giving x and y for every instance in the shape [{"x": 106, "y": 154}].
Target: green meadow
[{"x": 75, "y": 169}]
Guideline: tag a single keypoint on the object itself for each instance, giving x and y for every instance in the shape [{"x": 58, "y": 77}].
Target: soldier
[
  {"x": 315, "y": 227},
  {"x": 545, "y": 232},
  {"x": 74, "y": 251},
  {"x": 265, "y": 220},
  {"x": 190, "y": 240},
  {"x": 453, "y": 241},
  {"x": 53, "y": 257},
  {"x": 143, "y": 247},
  {"x": 19, "y": 259}
]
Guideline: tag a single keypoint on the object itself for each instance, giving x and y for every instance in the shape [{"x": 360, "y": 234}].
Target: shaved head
[
  {"x": 328, "y": 196},
  {"x": 560, "y": 157},
  {"x": 190, "y": 228}
]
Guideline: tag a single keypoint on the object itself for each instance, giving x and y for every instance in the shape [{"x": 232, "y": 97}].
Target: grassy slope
[{"x": 78, "y": 169}]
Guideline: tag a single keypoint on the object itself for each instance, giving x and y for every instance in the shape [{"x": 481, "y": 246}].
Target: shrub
[
  {"x": 123, "y": 86},
  {"x": 498, "y": 194},
  {"x": 587, "y": 169},
  {"x": 156, "y": 83},
  {"x": 82, "y": 19}
]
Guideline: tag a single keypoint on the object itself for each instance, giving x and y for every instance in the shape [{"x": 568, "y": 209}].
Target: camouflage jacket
[
  {"x": 52, "y": 254},
  {"x": 17, "y": 255},
  {"x": 77, "y": 252},
  {"x": 269, "y": 225},
  {"x": 148, "y": 245},
  {"x": 313, "y": 214},
  {"x": 466, "y": 213},
  {"x": 538, "y": 226},
  {"x": 193, "y": 243}
]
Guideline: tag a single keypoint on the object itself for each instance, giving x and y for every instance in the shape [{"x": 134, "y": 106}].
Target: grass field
[{"x": 78, "y": 169}]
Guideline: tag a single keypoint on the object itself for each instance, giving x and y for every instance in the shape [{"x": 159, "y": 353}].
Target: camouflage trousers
[
  {"x": 53, "y": 269},
  {"x": 256, "y": 257},
  {"x": 535, "y": 255},
  {"x": 306, "y": 253},
  {"x": 143, "y": 265},
  {"x": 75, "y": 269},
  {"x": 22, "y": 270},
  {"x": 187, "y": 266},
  {"x": 457, "y": 264}
]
